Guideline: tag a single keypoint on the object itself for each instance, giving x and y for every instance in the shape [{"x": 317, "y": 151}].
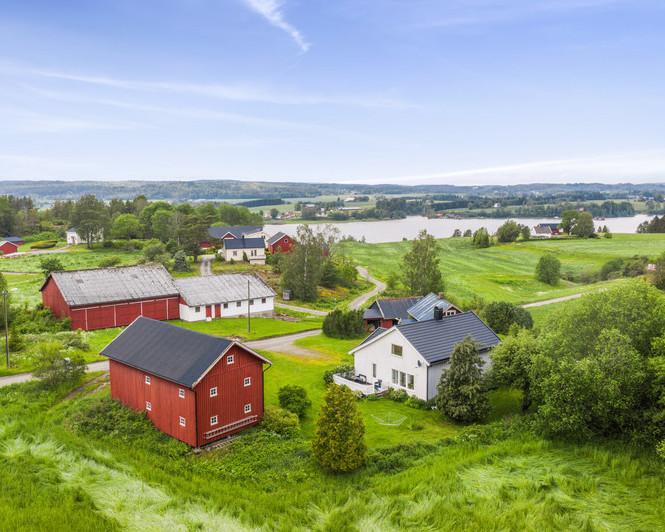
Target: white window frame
[
  {"x": 147, "y": 380},
  {"x": 197, "y": 309},
  {"x": 230, "y": 359},
  {"x": 410, "y": 381},
  {"x": 181, "y": 393},
  {"x": 213, "y": 391},
  {"x": 248, "y": 408},
  {"x": 214, "y": 420},
  {"x": 182, "y": 421},
  {"x": 374, "y": 370},
  {"x": 148, "y": 406},
  {"x": 395, "y": 347},
  {"x": 402, "y": 379},
  {"x": 394, "y": 377},
  {"x": 247, "y": 381}
]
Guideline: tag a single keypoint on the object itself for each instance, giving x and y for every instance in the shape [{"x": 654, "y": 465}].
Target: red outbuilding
[
  {"x": 111, "y": 297},
  {"x": 8, "y": 247},
  {"x": 192, "y": 386},
  {"x": 280, "y": 243}
]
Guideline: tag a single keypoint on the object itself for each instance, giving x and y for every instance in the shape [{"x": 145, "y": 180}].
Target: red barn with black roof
[{"x": 194, "y": 387}]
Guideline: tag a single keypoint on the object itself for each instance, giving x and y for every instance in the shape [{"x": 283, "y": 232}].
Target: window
[
  {"x": 263, "y": 300},
  {"x": 395, "y": 376},
  {"x": 148, "y": 406},
  {"x": 238, "y": 303},
  {"x": 409, "y": 382},
  {"x": 214, "y": 420},
  {"x": 213, "y": 391},
  {"x": 402, "y": 378},
  {"x": 396, "y": 350},
  {"x": 197, "y": 309},
  {"x": 247, "y": 381},
  {"x": 229, "y": 359},
  {"x": 147, "y": 379},
  {"x": 251, "y": 301},
  {"x": 248, "y": 408},
  {"x": 182, "y": 421},
  {"x": 374, "y": 370},
  {"x": 226, "y": 305},
  {"x": 181, "y": 393},
  {"x": 235, "y": 253},
  {"x": 253, "y": 253}
]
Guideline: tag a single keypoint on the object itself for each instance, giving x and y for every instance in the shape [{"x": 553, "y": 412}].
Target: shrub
[
  {"x": 548, "y": 269},
  {"x": 74, "y": 340},
  {"x": 54, "y": 368},
  {"x": 611, "y": 266},
  {"x": 43, "y": 244},
  {"x": 344, "y": 324},
  {"x": 344, "y": 369},
  {"x": 280, "y": 421},
  {"x": 180, "y": 262},
  {"x": 635, "y": 266},
  {"x": 109, "y": 262},
  {"x": 481, "y": 238},
  {"x": 395, "y": 394},
  {"x": 339, "y": 444},
  {"x": 500, "y": 315},
  {"x": 50, "y": 264},
  {"x": 418, "y": 404},
  {"x": 294, "y": 399},
  {"x": 43, "y": 236}
]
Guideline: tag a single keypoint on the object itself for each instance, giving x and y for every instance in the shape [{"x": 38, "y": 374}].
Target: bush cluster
[
  {"x": 43, "y": 244},
  {"x": 344, "y": 324},
  {"x": 280, "y": 421},
  {"x": 343, "y": 369},
  {"x": 501, "y": 315},
  {"x": 294, "y": 399}
]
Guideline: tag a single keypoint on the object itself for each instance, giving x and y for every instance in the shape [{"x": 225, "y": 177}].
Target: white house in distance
[
  {"x": 221, "y": 296},
  {"x": 237, "y": 248},
  {"x": 74, "y": 239},
  {"x": 412, "y": 356}
]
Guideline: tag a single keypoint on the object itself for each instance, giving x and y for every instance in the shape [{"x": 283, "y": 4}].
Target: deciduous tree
[{"x": 420, "y": 266}]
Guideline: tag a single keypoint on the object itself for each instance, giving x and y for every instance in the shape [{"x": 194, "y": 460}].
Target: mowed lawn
[
  {"x": 75, "y": 258},
  {"x": 506, "y": 272}
]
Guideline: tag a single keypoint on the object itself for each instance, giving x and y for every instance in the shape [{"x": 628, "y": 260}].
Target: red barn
[
  {"x": 280, "y": 243},
  {"x": 192, "y": 386},
  {"x": 111, "y": 297},
  {"x": 8, "y": 247}
]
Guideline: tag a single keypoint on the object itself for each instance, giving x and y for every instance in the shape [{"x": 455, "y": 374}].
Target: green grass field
[
  {"x": 506, "y": 272},
  {"x": 76, "y": 257}
]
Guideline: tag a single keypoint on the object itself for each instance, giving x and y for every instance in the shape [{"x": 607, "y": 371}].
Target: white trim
[
  {"x": 230, "y": 359},
  {"x": 147, "y": 379},
  {"x": 148, "y": 406},
  {"x": 182, "y": 421},
  {"x": 181, "y": 393},
  {"x": 247, "y": 381},
  {"x": 216, "y": 361},
  {"x": 215, "y": 422},
  {"x": 213, "y": 391},
  {"x": 248, "y": 410}
]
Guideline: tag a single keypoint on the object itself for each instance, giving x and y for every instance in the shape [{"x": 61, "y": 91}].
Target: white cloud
[{"x": 271, "y": 10}]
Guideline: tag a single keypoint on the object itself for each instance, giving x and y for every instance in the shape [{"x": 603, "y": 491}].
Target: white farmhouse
[
  {"x": 411, "y": 356},
  {"x": 222, "y": 296},
  {"x": 73, "y": 238},
  {"x": 237, "y": 249}
]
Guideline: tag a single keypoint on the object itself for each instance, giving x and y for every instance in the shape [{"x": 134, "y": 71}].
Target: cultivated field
[{"x": 506, "y": 272}]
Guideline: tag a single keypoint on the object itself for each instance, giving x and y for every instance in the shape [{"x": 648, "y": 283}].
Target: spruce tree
[
  {"x": 339, "y": 444},
  {"x": 461, "y": 394}
]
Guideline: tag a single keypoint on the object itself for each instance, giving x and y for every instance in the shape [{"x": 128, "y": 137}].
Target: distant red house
[
  {"x": 111, "y": 297},
  {"x": 194, "y": 387},
  {"x": 8, "y": 247},
  {"x": 280, "y": 243}
]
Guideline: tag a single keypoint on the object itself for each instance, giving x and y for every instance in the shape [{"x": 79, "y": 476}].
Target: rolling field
[
  {"x": 76, "y": 257},
  {"x": 506, "y": 272}
]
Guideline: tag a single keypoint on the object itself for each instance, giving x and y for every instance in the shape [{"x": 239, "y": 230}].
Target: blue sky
[{"x": 393, "y": 91}]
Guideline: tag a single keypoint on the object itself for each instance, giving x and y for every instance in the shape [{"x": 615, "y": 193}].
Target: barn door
[{"x": 208, "y": 311}]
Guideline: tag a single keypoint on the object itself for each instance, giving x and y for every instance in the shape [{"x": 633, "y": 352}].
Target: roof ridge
[
  {"x": 464, "y": 313},
  {"x": 114, "y": 268}
]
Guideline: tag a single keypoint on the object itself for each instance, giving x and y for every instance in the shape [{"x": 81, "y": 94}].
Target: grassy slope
[
  {"x": 77, "y": 257},
  {"x": 506, "y": 272}
]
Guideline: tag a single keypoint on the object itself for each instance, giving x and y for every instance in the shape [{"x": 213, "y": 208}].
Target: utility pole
[
  {"x": 4, "y": 298},
  {"x": 249, "y": 319}
]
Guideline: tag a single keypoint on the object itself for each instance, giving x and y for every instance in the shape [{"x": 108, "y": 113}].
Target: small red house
[
  {"x": 111, "y": 297},
  {"x": 8, "y": 247},
  {"x": 280, "y": 243},
  {"x": 194, "y": 387}
]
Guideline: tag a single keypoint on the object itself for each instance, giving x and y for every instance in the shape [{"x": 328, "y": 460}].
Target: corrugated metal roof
[
  {"x": 236, "y": 230},
  {"x": 168, "y": 351},
  {"x": 277, "y": 236},
  {"x": 244, "y": 243},
  {"x": 435, "y": 340},
  {"x": 108, "y": 285},
  {"x": 424, "y": 309},
  {"x": 213, "y": 289}
]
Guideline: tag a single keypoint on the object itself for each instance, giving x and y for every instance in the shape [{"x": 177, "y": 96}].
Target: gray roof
[
  {"x": 277, "y": 236},
  {"x": 435, "y": 340},
  {"x": 213, "y": 289},
  {"x": 168, "y": 351},
  {"x": 236, "y": 230},
  {"x": 424, "y": 309},
  {"x": 12, "y": 239},
  {"x": 244, "y": 243},
  {"x": 396, "y": 309},
  {"x": 108, "y": 285},
  {"x": 376, "y": 332}
]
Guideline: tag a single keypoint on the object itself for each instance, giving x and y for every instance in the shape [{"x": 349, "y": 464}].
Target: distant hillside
[{"x": 231, "y": 190}]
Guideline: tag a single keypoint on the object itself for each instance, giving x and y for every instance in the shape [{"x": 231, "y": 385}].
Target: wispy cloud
[{"x": 271, "y": 10}]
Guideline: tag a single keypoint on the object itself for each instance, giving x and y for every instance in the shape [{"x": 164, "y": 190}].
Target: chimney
[{"x": 438, "y": 313}]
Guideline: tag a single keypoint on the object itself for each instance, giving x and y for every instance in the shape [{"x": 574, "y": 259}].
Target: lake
[{"x": 396, "y": 230}]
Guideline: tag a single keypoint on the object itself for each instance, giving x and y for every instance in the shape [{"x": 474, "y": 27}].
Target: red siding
[
  {"x": 8, "y": 247},
  {"x": 111, "y": 315},
  {"x": 232, "y": 395},
  {"x": 283, "y": 245},
  {"x": 128, "y": 386},
  {"x": 387, "y": 324},
  {"x": 208, "y": 311}
]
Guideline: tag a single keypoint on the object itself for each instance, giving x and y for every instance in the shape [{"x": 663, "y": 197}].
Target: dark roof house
[
  {"x": 244, "y": 243},
  {"x": 234, "y": 231},
  {"x": 394, "y": 310}
]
